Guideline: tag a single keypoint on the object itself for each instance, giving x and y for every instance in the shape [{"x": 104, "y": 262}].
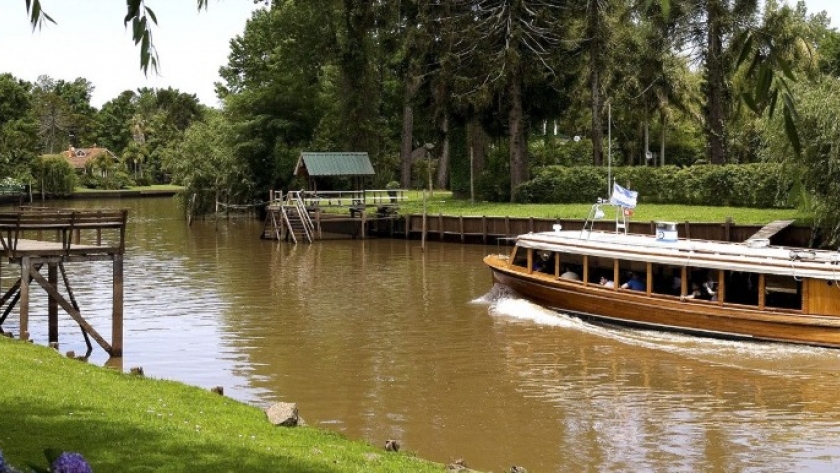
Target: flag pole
[{"x": 609, "y": 148}]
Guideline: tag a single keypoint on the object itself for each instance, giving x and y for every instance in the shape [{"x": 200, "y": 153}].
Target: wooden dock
[
  {"x": 299, "y": 216},
  {"x": 36, "y": 237},
  {"x": 485, "y": 229}
]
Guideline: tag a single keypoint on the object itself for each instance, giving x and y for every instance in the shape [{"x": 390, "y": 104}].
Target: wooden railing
[
  {"x": 32, "y": 223},
  {"x": 344, "y": 198}
]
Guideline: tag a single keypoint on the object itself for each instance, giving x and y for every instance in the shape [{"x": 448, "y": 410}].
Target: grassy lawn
[
  {"x": 442, "y": 202},
  {"x": 124, "y": 423}
]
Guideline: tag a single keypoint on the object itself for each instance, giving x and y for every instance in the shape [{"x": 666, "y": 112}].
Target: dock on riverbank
[
  {"x": 306, "y": 216},
  {"x": 494, "y": 229},
  {"x": 487, "y": 230},
  {"x": 36, "y": 237}
]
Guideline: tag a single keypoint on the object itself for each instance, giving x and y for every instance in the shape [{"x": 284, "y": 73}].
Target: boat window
[
  {"x": 600, "y": 268},
  {"x": 544, "y": 261},
  {"x": 521, "y": 257},
  {"x": 703, "y": 284},
  {"x": 783, "y": 292},
  {"x": 741, "y": 288},
  {"x": 632, "y": 275},
  {"x": 571, "y": 267},
  {"x": 667, "y": 280}
]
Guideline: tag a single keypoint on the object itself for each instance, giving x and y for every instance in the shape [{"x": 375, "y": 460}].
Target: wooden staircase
[
  {"x": 296, "y": 223},
  {"x": 290, "y": 220}
]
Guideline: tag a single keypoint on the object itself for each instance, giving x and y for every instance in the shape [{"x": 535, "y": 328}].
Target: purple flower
[
  {"x": 70, "y": 462},
  {"x": 2, "y": 463}
]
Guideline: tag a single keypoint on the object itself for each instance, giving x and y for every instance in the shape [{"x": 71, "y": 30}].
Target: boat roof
[{"x": 750, "y": 256}]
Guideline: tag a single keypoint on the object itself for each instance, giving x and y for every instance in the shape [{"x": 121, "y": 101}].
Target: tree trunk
[
  {"x": 407, "y": 141},
  {"x": 715, "y": 85},
  {"x": 518, "y": 150},
  {"x": 597, "y": 121},
  {"x": 443, "y": 162},
  {"x": 596, "y": 59},
  {"x": 646, "y": 151},
  {"x": 360, "y": 95},
  {"x": 478, "y": 142},
  {"x": 663, "y": 135}
]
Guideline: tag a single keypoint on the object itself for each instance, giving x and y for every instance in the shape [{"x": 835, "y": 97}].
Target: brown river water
[{"x": 378, "y": 339}]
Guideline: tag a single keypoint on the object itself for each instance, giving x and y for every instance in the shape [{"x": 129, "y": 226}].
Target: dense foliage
[
  {"x": 744, "y": 185},
  {"x": 54, "y": 176},
  {"x": 817, "y": 169},
  {"x": 471, "y": 95}
]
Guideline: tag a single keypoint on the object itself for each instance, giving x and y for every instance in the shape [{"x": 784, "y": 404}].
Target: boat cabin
[{"x": 696, "y": 272}]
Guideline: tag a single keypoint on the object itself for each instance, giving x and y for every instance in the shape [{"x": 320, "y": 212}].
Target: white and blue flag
[{"x": 623, "y": 197}]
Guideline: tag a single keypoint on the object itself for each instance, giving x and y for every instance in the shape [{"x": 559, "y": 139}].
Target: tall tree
[
  {"x": 596, "y": 41},
  {"x": 66, "y": 116},
  {"x": 360, "y": 97},
  {"x": 205, "y": 163},
  {"x": 281, "y": 88},
  {"x": 18, "y": 127},
  {"x": 113, "y": 122},
  {"x": 509, "y": 41}
]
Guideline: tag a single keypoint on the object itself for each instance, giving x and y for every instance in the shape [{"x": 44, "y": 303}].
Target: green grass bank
[
  {"x": 125, "y": 423},
  {"x": 443, "y": 202}
]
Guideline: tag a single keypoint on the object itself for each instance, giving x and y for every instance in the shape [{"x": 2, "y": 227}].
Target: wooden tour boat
[{"x": 748, "y": 290}]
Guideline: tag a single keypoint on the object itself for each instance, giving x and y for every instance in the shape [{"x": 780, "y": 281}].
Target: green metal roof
[{"x": 333, "y": 164}]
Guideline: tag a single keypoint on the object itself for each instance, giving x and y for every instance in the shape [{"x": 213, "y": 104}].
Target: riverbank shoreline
[
  {"x": 125, "y": 422},
  {"x": 93, "y": 194}
]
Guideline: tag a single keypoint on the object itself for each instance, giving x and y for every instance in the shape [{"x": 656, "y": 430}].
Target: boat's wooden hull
[{"x": 667, "y": 313}]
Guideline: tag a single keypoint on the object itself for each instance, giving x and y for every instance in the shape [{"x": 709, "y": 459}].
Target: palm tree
[
  {"x": 104, "y": 163},
  {"x": 133, "y": 157}
]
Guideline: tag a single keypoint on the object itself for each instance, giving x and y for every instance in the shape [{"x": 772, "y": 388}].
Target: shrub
[
  {"x": 54, "y": 175},
  {"x": 744, "y": 185}
]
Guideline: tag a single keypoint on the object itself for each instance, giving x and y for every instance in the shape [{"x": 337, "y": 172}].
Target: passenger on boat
[
  {"x": 607, "y": 282},
  {"x": 634, "y": 283},
  {"x": 544, "y": 263},
  {"x": 569, "y": 274},
  {"x": 696, "y": 293},
  {"x": 708, "y": 289}
]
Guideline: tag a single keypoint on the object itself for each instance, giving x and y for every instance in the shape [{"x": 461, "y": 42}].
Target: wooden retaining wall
[{"x": 492, "y": 229}]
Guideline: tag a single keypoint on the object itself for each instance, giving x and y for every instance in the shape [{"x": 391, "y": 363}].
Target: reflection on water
[{"x": 378, "y": 339}]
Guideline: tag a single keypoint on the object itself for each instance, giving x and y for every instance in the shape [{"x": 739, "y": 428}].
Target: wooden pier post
[
  {"x": 52, "y": 305},
  {"x": 25, "y": 263},
  {"x": 117, "y": 309}
]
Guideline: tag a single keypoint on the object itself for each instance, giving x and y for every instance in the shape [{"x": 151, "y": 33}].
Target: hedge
[{"x": 736, "y": 185}]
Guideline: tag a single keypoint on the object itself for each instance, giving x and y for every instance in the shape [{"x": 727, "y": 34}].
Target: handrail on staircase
[{"x": 295, "y": 199}]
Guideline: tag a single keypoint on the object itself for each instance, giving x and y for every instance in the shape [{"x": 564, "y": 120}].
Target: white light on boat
[
  {"x": 557, "y": 227},
  {"x": 758, "y": 242},
  {"x": 799, "y": 255},
  {"x": 666, "y": 232}
]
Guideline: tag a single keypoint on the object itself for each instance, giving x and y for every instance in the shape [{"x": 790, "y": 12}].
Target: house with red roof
[{"x": 80, "y": 158}]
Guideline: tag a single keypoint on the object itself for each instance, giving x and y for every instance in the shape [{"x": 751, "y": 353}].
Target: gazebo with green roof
[{"x": 355, "y": 165}]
